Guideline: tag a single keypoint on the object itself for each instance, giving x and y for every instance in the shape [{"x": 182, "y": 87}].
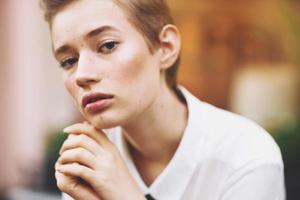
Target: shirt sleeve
[{"x": 262, "y": 183}]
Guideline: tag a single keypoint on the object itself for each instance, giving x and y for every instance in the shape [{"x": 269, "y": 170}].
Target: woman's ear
[{"x": 170, "y": 44}]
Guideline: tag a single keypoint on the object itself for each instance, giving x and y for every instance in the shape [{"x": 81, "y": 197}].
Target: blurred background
[{"x": 239, "y": 55}]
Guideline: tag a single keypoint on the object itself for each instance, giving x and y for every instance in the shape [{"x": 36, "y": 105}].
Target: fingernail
[
  {"x": 67, "y": 130},
  {"x": 56, "y": 166}
]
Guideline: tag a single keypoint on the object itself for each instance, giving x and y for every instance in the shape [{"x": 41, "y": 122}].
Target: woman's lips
[{"x": 96, "y": 101}]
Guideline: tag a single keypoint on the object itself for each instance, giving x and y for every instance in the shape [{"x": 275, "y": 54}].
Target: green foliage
[
  {"x": 288, "y": 139},
  {"x": 54, "y": 142}
]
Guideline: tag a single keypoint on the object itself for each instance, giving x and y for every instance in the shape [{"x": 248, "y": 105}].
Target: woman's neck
[{"x": 160, "y": 127}]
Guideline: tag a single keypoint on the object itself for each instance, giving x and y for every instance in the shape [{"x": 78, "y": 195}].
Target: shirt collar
[{"x": 172, "y": 182}]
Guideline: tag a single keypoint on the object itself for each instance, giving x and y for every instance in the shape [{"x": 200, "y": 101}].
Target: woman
[{"x": 144, "y": 137}]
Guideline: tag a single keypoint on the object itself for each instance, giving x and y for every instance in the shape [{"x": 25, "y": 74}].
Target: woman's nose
[
  {"x": 86, "y": 73},
  {"x": 85, "y": 80}
]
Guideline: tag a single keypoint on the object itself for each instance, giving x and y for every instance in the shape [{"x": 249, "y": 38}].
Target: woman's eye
[
  {"x": 68, "y": 62},
  {"x": 108, "y": 47}
]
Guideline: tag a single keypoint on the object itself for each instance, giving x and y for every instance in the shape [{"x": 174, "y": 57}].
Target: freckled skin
[{"x": 131, "y": 72}]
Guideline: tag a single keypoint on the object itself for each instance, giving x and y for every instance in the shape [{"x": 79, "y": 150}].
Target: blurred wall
[
  {"x": 221, "y": 37},
  {"x": 5, "y": 115},
  {"x": 33, "y": 100}
]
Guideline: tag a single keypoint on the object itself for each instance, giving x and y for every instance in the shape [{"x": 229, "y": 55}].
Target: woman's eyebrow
[
  {"x": 90, "y": 34},
  {"x": 99, "y": 30},
  {"x": 61, "y": 50}
]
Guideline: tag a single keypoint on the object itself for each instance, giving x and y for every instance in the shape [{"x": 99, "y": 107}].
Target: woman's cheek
[
  {"x": 70, "y": 85},
  {"x": 130, "y": 66}
]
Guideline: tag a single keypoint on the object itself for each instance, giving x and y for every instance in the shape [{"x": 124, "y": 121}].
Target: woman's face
[{"x": 107, "y": 66}]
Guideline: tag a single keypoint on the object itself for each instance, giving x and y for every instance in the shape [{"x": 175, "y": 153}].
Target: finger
[
  {"x": 83, "y": 141},
  {"x": 77, "y": 170},
  {"x": 69, "y": 185},
  {"x": 78, "y": 155},
  {"x": 87, "y": 129}
]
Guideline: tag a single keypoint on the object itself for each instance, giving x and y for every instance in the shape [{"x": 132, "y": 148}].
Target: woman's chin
[{"x": 103, "y": 122}]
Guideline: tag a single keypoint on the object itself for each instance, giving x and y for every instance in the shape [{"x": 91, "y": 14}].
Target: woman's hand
[{"x": 90, "y": 167}]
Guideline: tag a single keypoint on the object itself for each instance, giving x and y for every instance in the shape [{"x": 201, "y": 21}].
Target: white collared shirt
[{"x": 221, "y": 156}]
